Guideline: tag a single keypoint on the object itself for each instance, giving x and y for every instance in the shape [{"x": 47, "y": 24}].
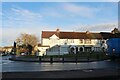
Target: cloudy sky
[{"x": 33, "y": 17}]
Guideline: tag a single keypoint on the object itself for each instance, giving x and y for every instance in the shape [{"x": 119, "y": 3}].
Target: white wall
[
  {"x": 45, "y": 41},
  {"x": 42, "y": 50},
  {"x": 55, "y": 41}
]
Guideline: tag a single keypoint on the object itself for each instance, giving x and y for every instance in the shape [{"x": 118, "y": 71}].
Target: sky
[{"x": 33, "y": 17}]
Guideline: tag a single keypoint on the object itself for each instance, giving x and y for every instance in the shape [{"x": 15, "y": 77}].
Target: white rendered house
[{"x": 61, "y": 42}]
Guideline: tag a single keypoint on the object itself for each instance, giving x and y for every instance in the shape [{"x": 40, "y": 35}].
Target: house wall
[
  {"x": 1, "y": 49},
  {"x": 7, "y": 49},
  {"x": 42, "y": 50},
  {"x": 45, "y": 41},
  {"x": 53, "y": 42}
]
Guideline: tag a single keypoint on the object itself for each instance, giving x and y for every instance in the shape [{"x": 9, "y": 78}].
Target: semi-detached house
[{"x": 62, "y": 42}]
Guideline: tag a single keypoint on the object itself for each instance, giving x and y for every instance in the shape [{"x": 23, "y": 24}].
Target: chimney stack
[{"x": 57, "y": 30}]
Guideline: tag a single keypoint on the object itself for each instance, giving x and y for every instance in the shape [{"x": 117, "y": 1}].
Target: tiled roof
[
  {"x": 109, "y": 35},
  {"x": 47, "y": 34},
  {"x": 79, "y": 35}
]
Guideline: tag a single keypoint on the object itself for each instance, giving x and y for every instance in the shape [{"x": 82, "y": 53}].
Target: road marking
[{"x": 87, "y": 70}]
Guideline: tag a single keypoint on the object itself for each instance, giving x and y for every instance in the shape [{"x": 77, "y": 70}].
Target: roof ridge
[{"x": 70, "y": 32}]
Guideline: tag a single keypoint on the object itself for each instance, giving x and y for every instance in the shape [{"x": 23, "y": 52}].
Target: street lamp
[{"x": 14, "y": 47}]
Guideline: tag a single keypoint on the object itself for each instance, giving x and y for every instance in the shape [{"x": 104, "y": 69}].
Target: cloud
[
  {"x": 78, "y": 10},
  {"x": 9, "y": 35},
  {"x": 67, "y": 10},
  {"x": 25, "y": 13},
  {"x": 52, "y": 12},
  {"x": 20, "y": 17},
  {"x": 75, "y": 9},
  {"x": 103, "y": 27}
]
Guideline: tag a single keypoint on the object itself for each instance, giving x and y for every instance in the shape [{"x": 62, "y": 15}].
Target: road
[{"x": 15, "y": 66}]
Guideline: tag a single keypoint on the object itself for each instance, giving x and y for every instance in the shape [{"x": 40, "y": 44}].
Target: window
[
  {"x": 98, "y": 41},
  {"x": 88, "y": 41},
  {"x": 80, "y": 41},
  {"x": 96, "y": 49},
  {"x": 66, "y": 41},
  {"x": 72, "y": 41},
  {"x": 87, "y": 49}
]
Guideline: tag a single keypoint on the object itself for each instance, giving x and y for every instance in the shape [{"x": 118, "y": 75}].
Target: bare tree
[{"x": 27, "y": 39}]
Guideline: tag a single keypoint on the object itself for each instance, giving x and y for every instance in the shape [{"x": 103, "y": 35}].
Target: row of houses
[
  {"x": 62, "y": 42},
  {"x": 6, "y": 49}
]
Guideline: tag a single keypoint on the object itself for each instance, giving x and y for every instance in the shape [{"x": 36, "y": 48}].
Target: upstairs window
[
  {"x": 81, "y": 41},
  {"x": 88, "y": 41},
  {"x": 72, "y": 41}
]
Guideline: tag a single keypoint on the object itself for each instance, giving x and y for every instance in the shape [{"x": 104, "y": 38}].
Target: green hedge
[
  {"x": 93, "y": 55},
  {"x": 84, "y": 55}
]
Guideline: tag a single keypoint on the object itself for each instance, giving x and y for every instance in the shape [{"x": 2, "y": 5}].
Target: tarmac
[
  {"x": 94, "y": 74},
  {"x": 109, "y": 74}
]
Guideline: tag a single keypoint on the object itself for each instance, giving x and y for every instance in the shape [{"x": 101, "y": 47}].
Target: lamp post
[
  {"x": 14, "y": 47},
  {"x": 13, "y": 50}
]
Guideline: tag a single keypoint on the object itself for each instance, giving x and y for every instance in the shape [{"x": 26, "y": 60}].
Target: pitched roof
[
  {"x": 106, "y": 35},
  {"x": 78, "y": 35},
  {"x": 47, "y": 34}
]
